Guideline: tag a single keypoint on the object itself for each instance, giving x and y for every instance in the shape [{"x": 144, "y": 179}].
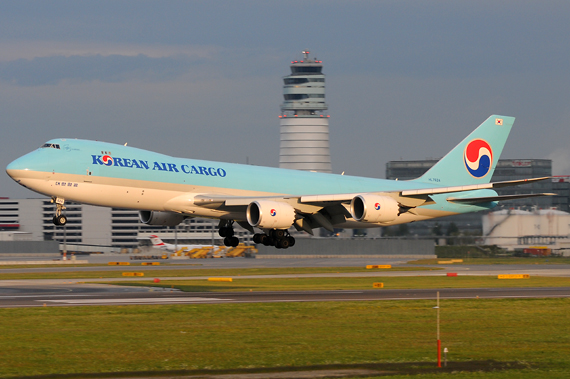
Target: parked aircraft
[
  {"x": 157, "y": 243},
  {"x": 166, "y": 189}
]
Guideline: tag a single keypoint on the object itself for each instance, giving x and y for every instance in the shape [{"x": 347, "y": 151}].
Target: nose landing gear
[{"x": 59, "y": 219}]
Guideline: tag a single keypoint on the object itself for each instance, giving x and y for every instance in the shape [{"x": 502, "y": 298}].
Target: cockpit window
[{"x": 51, "y": 145}]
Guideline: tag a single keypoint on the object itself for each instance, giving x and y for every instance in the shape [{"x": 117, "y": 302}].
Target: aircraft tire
[
  {"x": 226, "y": 232},
  {"x": 291, "y": 241},
  {"x": 258, "y": 238},
  {"x": 60, "y": 220},
  {"x": 278, "y": 233},
  {"x": 282, "y": 243},
  {"x": 234, "y": 241}
]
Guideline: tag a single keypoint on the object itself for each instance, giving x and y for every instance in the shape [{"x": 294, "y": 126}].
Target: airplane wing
[
  {"x": 412, "y": 197},
  {"x": 327, "y": 210}
]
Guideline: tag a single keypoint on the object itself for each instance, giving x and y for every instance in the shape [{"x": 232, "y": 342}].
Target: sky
[{"x": 203, "y": 79}]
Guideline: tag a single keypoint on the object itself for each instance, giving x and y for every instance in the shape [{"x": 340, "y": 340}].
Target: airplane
[
  {"x": 166, "y": 189},
  {"x": 157, "y": 243}
]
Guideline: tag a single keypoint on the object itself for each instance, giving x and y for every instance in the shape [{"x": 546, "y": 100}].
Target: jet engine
[
  {"x": 266, "y": 214},
  {"x": 160, "y": 218},
  {"x": 374, "y": 208}
]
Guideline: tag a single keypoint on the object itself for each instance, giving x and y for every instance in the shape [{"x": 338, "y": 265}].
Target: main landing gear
[
  {"x": 279, "y": 238},
  {"x": 227, "y": 231},
  {"x": 59, "y": 219}
]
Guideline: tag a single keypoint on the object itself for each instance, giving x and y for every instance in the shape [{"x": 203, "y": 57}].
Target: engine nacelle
[
  {"x": 267, "y": 214},
  {"x": 160, "y": 218},
  {"x": 374, "y": 208}
]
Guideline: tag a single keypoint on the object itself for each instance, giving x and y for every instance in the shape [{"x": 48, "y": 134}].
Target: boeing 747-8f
[{"x": 166, "y": 190}]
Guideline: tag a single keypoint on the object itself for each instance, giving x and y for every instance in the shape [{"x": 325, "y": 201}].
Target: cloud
[
  {"x": 108, "y": 69},
  {"x": 40, "y": 48}
]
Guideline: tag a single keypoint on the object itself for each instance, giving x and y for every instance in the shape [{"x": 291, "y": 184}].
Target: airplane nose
[{"x": 15, "y": 166}]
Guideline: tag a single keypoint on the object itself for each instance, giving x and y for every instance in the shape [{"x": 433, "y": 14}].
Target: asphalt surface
[
  {"x": 83, "y": 292},
  {"x": 93, "y": 294},
  {"x": 236, "y": 263}
]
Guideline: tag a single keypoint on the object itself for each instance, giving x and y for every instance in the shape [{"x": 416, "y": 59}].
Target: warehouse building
[{"x": 515, "y": 229}]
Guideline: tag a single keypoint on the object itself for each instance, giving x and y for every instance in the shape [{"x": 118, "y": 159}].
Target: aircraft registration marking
[{"x": 66, "y": 184}]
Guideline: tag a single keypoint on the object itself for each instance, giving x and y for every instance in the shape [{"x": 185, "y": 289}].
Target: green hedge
[{"x": 468, "y": 251}]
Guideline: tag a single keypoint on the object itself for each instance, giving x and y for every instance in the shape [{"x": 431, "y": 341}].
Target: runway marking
[
  {"x": 136, "y": 301},
  {"x": 58, "y": 295},
  {"x": 471, "y": 297},
  {"x": 233, "y": 301}
]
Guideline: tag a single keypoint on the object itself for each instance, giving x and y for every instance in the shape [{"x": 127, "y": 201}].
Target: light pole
[
  {"x": 438, "y": 340},
  {"x": 213, "y": 233},
  {"x": 65, "y": 241},
  {"x": 175, "y": 238}
]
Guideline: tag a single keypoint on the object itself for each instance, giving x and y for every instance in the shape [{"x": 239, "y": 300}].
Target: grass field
[
  {"x": 195, "y": 272},
  {"x": 67, "y": 340},
  {"x": 498, "y": 261},
  {"x": 304, "y": 284}
]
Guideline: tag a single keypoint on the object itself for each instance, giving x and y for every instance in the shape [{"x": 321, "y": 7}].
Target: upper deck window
[{"x": 52, "y": 145}]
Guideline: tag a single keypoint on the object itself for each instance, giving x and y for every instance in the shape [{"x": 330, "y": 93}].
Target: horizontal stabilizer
[
  {"x": 472, "y": 187},
  {"x": 488, "y": 199}
]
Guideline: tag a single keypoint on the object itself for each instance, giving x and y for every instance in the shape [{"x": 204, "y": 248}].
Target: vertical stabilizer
[{"x": 474, "y": 159}]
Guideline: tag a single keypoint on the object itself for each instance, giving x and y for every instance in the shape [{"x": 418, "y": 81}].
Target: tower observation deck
[{"x": 304, "y": 126}]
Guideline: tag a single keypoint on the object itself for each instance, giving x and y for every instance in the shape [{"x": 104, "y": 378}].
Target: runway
[
  {"x": 84, "y": 292},
  {"x": 97, "y": 294},
  {"x": 194, "y": 266}
]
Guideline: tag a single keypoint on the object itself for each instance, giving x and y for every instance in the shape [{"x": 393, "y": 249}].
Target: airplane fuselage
[{"x": 112, "y": 175}]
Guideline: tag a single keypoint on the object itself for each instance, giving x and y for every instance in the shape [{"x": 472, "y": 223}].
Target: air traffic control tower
[{"x": 304, "y": 126}]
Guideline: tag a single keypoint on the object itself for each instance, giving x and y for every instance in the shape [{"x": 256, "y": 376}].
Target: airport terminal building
[{"x": 96, "y": 228}]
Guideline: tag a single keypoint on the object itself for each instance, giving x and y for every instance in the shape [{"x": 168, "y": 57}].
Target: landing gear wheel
[
  {"x": 226, "y": 231},
  {"x": 278, "y": 234},
  {"x": 231, "y": 241},
  {"x": 283, "y": 243},
  {"x": 291, "y": 241},
  {"x": 59, "y": 220},
  {"x": 258, "y": 238}
]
